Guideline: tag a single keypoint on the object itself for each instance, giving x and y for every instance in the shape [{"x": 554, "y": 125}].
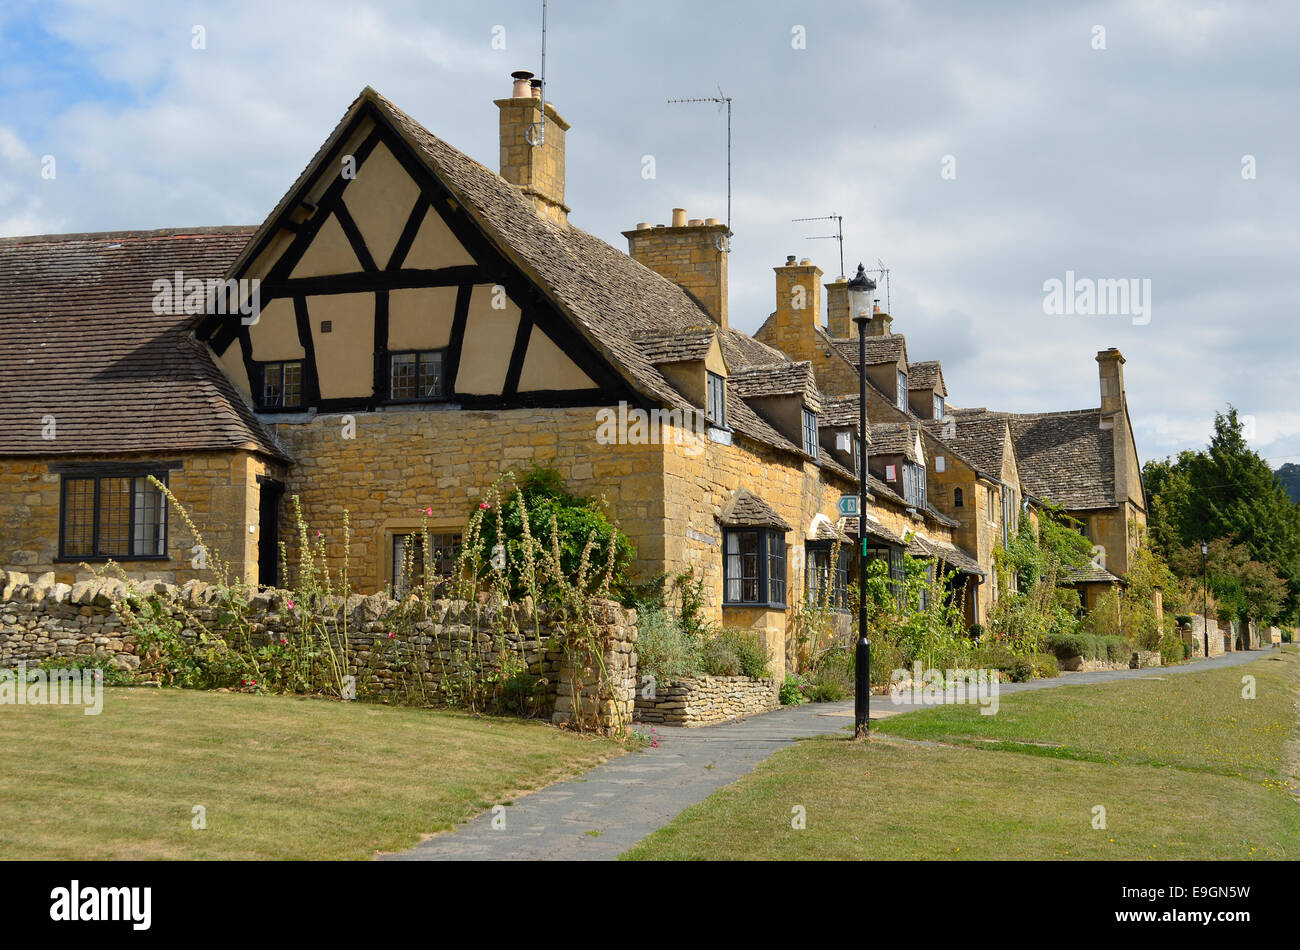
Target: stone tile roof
[
  {"x": 894, "y": 438},
  {"x": 841, "y": 412},
  {"x": 81, "y": 343},
  {"x": 926, "y": 375},
  {"x": 880, "y": 349},
  {"x": 952, "y": 555},
  {"x": 1063, "y": 457},
  {"x": 978, "y": 438},
  {"x": 681, "y": 347},
  {"x": 1090, "y": 574},
  {"x": 779, "y": 379},
  {"x": 874, "y": 529},
  {"x": 744, "y": 509}
]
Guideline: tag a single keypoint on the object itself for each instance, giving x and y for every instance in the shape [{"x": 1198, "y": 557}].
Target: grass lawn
[
  {"x": 1183, "y": 766},
  {"x": 279, "y": 777}
]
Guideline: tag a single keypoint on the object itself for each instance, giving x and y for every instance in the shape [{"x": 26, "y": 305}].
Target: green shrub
[
  {"x": 828, "y": 691},
  {"x": 1044, "y": 666},
  {"x": 976, "y": 631},
  {"x": 1065, "y": 646},
  {"x": 717, "y": 658},
  {"x": 747, "y": 647},
  {"x": 791, "y": 694},
  {"x": 885, "y": 658},
  {"x": 1117, "y": 649},
  {"x": 993, "y": 656},
  {"x": 664, "y": 649},
  {"x": 1022, "y": 669}
]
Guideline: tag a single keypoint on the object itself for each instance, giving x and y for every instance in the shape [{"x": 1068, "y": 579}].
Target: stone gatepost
[{"x": 597, "y": 688}]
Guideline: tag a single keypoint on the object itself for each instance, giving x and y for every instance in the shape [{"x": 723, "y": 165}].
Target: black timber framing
[{"x": 491, "y": 268}]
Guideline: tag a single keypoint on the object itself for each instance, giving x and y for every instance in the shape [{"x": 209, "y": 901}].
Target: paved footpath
[{"x": 632, "y": 795}]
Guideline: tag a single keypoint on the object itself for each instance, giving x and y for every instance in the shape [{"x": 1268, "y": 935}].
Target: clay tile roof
[
  {"x": 691, "y": 345},
  {"x": 780, "y": 379},
  {"x": 81, "y": 343},
  {"x": 880, "y": 349},
  {"x": 746, "y": 510},
  {"x": 926, "y": 375}
]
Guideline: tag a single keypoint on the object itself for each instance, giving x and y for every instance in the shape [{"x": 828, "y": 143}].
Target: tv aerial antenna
[
  {"x": 883, "y": 272},
  {"x": 536, "y": 133},
  {"x": 837, "y": 236},
  {"x": 722, "y": 99}
]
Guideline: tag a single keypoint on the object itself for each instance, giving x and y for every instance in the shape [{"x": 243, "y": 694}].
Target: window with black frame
[
  {"x": 828, "y": 574},
  {"x": 716, "y": 412},
  {"x": 415, "y": 376},
  {"x": 113, "y": 516},
  {"x": 282, "y": 385},
  {"x": 810, "y": 432},
  {"x": 754, "y": 566}
]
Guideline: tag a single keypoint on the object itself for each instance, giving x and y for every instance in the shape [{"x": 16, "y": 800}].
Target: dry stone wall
[
  {"x": 701, "y": 700},
  {"x": 42, "y": 619}
]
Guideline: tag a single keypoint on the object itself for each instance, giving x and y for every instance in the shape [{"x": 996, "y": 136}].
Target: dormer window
[
  {"x": 901, "y": 395},
  {"x": 810, "y": 432},
  {"x": 716, "y": 413},
  {"x": 415, "y": 376},
  {"x": 938, "y": 406},
  {"x": 281, "y": 385}
]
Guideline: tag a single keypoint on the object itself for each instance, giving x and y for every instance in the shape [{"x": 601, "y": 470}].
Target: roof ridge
[{"x": 119, "y": 235}]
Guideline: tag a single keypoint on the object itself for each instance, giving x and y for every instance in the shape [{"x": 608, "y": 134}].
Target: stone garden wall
[
  {"x": 701, "y": 700},
  {"x": 41, "y": 619}
]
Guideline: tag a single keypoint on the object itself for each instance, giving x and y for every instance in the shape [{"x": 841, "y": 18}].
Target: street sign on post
[{"x": 848, "y": 506}]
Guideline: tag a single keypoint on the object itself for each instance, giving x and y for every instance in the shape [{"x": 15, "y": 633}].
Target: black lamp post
[
  {"x": 1205, "y": 619},
  {"x": 861, "y": 288}
]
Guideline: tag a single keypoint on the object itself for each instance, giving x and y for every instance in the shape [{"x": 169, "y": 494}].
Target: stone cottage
[{"x": 405, "y": 326}]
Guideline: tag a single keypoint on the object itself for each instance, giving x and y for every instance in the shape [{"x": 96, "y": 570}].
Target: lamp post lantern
[
  {"x": 861, "y": 300},
  {"x": 1205, "y": 618}
]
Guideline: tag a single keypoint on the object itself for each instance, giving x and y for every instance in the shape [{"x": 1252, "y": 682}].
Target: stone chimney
[
  {"x": 691, "y": 253},
  {"x": 839, "y": 322},
  {"x": 880, "y": 321},
  {"x": 537, "y": 171},
  {"x": 1110, "y": 365},
  {"x": 792, "y": 328}
]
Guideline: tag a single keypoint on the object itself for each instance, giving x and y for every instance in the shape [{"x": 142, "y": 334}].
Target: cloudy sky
[{"x": 978, "y": 150}]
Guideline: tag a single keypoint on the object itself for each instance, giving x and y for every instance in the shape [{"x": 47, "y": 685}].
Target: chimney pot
[
  {"x": 696, "y": 222},
  {"x": 679, "y": 217},
  {"x": 712, "y": 222},
  {"x": 536, "y": 88},
  {"x": 521, "y": 89},
  {"x": 789, "y": 260},
  {"x": 642, "y": 225},
  {"x": 805, "y": 262}
]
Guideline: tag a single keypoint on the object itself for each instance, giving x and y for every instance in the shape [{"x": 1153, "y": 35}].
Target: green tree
[{"x": 1229, "y": 493}]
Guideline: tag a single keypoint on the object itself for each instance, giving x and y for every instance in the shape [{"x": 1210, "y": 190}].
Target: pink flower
[
  {"x": 429, "y": 512},
  {"x": 484, "y": 506},
  {"x": 320, "y": 534},
  {"x": 284, "y": 642},
  {"x": 391, "y": 634},
  {"x": 291, "y": 605}
]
